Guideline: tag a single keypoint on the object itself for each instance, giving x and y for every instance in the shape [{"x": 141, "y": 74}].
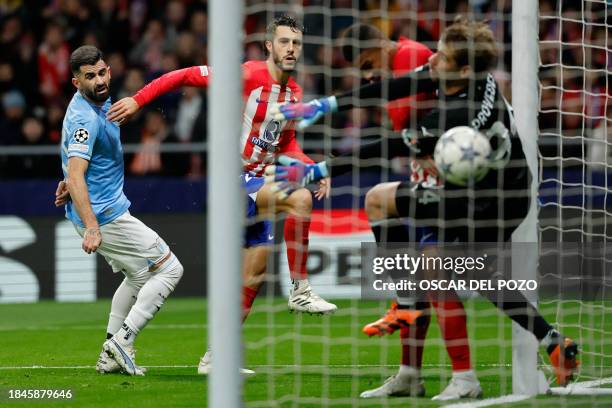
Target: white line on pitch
[
  {"x": 176, "y": 326},
  {"x": 585, "y": 388},
  {"x": 263, "y": 366},
  {"x": 296, "y": 325},
  {"x": 580, "y": 391},
  {"x": 593, "y": 383},
  {"x": 506, "y": 399},
  {"x": 37, "y": 367}
]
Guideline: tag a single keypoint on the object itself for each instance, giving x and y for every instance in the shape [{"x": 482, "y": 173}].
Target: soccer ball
[{"x": 462, "y": 155}]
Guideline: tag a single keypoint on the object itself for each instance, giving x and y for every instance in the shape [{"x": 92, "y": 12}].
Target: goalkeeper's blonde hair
[{"x": 472, "y": 43}]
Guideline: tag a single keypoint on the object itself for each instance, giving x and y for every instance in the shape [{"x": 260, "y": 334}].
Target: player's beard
[
  {"x": 97, "y": 94},
  {"x": 278, "y": 61}
]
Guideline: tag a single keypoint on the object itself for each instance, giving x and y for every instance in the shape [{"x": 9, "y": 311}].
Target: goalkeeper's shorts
[
  {"x": 451, "y": 215},
  {"x": 257, "y": 232}
]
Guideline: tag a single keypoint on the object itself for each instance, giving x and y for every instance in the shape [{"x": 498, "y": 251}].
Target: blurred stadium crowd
[{"x": 144, "y": 39}]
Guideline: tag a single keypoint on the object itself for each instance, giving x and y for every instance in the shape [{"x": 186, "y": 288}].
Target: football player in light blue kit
[{"x": 92, "y": 162}]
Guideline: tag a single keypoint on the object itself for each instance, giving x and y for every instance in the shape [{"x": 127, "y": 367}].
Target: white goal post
[
  {"x": 225, "y": 201},
  {"x": 526, "y": 380}
]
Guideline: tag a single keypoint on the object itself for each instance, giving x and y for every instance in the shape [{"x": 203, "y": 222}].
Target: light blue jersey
[{"x": 87, "y": 134}]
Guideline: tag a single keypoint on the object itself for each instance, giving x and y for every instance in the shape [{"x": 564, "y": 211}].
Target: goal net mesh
[
  {"x": 304, "y": 360},
  {"x": 576, "y": 159}
]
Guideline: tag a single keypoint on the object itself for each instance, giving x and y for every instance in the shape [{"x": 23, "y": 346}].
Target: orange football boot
[
  {"x": 563, "y": 359},
  {"x": 394, "y": 319}
]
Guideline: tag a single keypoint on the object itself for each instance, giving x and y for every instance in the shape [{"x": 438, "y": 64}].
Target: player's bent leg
[
  {"x": 255, "y": 260},
  {"x": 299, "y": 202},
  {"x": 561, "y": 350},
  {"x": 380, "y": 202},
  {"x": 254, "y": 267},
  {"x": 297, "y": 225},
  {"x": 123, "y": 300},
  {"x": 128, "y": 245},
  {"x": 165, "y": 276},
  {"x": 298, "y": 206},
  {"x": 406, "y": 383}
]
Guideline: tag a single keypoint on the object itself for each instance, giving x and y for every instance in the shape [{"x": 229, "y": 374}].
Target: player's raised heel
[
  {"x": 123, "y": 356},
  {"x": 564, "y": 361},
  {"x": 393, "y": 320},
  {"x": 304, "y": 300},
  {"x": 398, "y": 386}
]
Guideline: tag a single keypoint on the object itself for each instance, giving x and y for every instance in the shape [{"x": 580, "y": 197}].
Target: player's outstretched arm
[
  {"x": 197, "y": 76},
  {"x": 123, "y": 110},
  {"x": 412, "y": 83}
]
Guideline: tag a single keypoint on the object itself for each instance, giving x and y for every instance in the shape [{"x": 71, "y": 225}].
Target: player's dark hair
[
  {"x": 358, "y": 38},
  {"x": 84, "y": 55},
  {"x": 285, "y": 21},
  {"x": 472, "y": 43}
]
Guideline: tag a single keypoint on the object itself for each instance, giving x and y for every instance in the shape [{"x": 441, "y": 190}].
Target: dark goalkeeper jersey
[{"x": 480, "y": 105}]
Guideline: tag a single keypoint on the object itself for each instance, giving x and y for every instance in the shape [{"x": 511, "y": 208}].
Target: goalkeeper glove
[
  {"x": 299, "y": 173},
  {"x": 309, "y": 112}
]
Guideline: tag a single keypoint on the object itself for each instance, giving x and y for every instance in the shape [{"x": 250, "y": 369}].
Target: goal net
[
  {"x": 304, "y": 360},
  {"x": 575, "y": 164}
]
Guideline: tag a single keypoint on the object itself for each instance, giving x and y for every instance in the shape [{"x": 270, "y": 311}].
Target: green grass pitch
[{"x": 300, "y": 360}]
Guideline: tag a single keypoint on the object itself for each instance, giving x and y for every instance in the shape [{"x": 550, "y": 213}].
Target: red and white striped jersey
[
  {"x": 405, "y": 112},
  {"x": 262, "y": 138}
]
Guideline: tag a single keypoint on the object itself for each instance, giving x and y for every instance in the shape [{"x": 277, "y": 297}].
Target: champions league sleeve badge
[{"x": 81, "y": 135}]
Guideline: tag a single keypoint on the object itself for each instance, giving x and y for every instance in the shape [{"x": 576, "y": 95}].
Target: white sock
[
  {"x": 123, "y": 300},
  {"x": 465, "y": 375},
  {"x": 152, "y": 296},
  {"x": 408, "y": 371},
  {"x": 299, "y": 284},
  {"x": 406, "y": 301},
  {"x": 125, "y": 335}
]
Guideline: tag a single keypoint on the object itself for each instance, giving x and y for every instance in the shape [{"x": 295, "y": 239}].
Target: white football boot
[
  {"x": 124, "y": 355},
  {"x": 205, "y": 366},
  {"x": 400, "y": 385},
  {"x": 107, "y": 365},
  {"x": 463, "y": 384},
  {"x": 303, "y": 299}
]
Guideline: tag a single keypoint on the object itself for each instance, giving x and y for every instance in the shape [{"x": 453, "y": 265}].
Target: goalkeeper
[
  {"x": 488, "y": 211},
  {"x": 369, "y": 49}
]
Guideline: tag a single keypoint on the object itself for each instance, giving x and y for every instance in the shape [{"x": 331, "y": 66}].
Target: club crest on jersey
[
  {"x": 272, "y": 131},
  {"x": 81, "y": 135}
]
